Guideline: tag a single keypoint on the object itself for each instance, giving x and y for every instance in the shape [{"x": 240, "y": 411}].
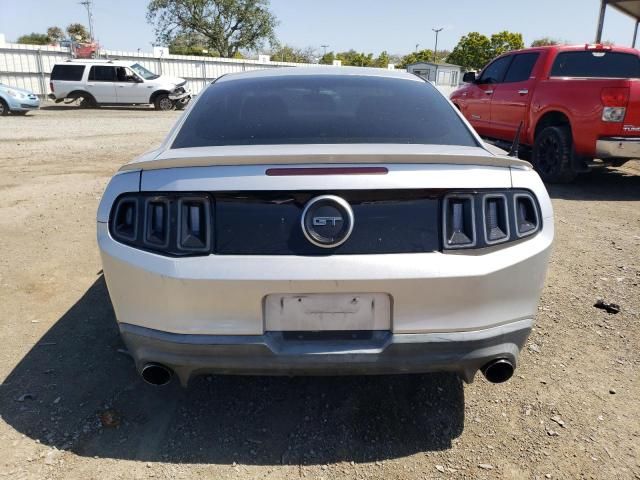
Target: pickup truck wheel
[
  {"x": 163, "y": 103},
  {"x": 552, "y": 152},
  {"x": 4, "y": 109}
]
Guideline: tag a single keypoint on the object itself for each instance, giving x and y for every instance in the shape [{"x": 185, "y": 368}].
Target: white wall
[{"x": 29, "y": 66}]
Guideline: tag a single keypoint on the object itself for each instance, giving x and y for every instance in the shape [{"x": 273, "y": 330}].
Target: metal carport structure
[{"x": 628, "y": 7}]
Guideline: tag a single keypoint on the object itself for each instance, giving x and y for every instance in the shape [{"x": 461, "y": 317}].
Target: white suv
[{"x": 111, "y": 82}]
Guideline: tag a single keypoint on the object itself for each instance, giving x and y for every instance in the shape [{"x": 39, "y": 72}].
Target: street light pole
[
  {"x": 88, "y": 5},
  {"x": 325, "y": 49},
  {"x": 435, "y": 50},
  {"x": 417, "y": 45}
]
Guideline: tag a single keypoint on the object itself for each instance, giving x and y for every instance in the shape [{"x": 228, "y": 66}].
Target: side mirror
[
  {"x": 469, "y": 77},
  {"x": 138, "y": 79}
]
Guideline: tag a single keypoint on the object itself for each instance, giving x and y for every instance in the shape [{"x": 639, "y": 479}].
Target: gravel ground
[{"x": 71, "y": 405}]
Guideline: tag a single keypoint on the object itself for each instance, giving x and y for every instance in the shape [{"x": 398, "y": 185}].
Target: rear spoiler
[{"x": 322, "y": 154}]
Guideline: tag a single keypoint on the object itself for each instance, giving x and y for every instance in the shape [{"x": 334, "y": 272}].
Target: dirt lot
[{"x": 71, "y": 405}]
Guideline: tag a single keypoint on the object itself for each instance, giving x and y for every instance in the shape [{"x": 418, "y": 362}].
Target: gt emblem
[{"x": 321, "y": 221}]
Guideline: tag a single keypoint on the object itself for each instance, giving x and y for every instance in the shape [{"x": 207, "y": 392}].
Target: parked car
[
  {"x": 576, "y": 103},
  {"x": 91, "y": 83},
  {"x": 17, "y": 101},
  {"x": 324, "y": 221}
]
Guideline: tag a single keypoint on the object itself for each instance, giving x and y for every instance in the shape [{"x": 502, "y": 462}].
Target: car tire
[
  {"x": 87, "y": 102},
  {"x": 163, "y": 103},
  {"x": 4, "y": 108},
  {"x": 182, "y": 105},
  {"x": 552, "y": 155}
]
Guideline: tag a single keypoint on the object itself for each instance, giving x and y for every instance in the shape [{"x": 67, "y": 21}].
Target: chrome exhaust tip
[
  {"x": 498, "y": 371},
  {"x": 156, "y": 374}
]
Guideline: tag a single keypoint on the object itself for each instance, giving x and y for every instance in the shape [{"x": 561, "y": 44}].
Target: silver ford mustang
[{"x": 324, "y": 221}]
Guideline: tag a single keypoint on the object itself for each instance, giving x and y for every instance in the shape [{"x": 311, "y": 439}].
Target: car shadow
[
  {"x": 135, "y": 108},
  {"x": 77, "y": 390},
  {"x": 601, "y": 184}
]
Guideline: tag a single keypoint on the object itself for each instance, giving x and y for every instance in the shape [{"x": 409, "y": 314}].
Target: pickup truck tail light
[
  {"x": 614, "y": 101},
  {"x": 502, "y": 217}
]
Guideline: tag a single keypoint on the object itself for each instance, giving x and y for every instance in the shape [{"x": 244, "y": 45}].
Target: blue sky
[{"x": 366, "y": 25}]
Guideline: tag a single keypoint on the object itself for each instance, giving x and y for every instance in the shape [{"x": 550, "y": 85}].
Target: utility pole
[
  {"x": 88, "y": 4},
  {"x": 435, "y": 50}
]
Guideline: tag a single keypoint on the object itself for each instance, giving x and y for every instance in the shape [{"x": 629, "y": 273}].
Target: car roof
[
  {"x": 320, "y": 70},
  {"x": 119, "y": 63},
  {"x": 576, "y": 48}
]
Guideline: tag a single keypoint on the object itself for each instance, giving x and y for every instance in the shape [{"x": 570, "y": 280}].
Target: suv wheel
[
  {"x": 552, "y": 154},
  {"x": 163, "y": 102},
  {"x": 4, "y": 108}
]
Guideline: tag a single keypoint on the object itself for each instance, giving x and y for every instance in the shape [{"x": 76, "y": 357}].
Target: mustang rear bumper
[{"x": 274, "y": 353}]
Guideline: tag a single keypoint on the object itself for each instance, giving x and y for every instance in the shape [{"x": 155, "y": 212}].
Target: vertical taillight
[
  {"x": 125, "y": 220},
  {"x": 459, "y": 221},
  {"x": 194, "y": 224},
  {"x": 527, "y": 220},
  {"x": 172, "y": 224},
  {"x": 51, "y": 87},
  {"x": 157, "y": 222},
  {"x": 496, "y": 218},
  {"x": 503, "y": 216}
]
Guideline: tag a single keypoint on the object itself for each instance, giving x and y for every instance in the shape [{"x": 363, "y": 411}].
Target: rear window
[
  {"x": 67, "y": 72},
  {"x": 596, "y": 64},
  {"x": 322, "y": 109}
]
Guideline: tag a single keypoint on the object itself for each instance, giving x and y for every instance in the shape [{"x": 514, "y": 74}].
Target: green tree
[
  {"x": 227, "y": 25},
  {"x": 34, "y": 39},
  {"x": 475, "y": 50},
  {"x": 78, "y": 32},
  {"x": 355, "y": 59},
  {"x": 287, "y": 53},
  {"x": 190, "y": 44},
  {"x": 327, "y": 58},
  {"x": 472, "y": 52},
  {"x": 505, "y": 42},
  {"x": 415, "y": 57},
  {"x": 55, "y": 34},
  {"x": 383, "y": 60},
  {"x": 544, "y": 41}
]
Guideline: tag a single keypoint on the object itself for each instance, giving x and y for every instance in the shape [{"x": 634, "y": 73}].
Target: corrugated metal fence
[{"x": 29, "y": 66}]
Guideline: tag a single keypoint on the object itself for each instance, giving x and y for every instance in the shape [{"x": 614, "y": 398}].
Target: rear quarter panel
[{"x": 579, "y": 100}]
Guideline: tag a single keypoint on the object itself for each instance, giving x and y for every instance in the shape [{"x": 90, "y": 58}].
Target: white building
[{"x": 442, "y": 74}]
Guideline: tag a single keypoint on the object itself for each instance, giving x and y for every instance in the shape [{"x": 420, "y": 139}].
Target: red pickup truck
[{"x": 576, "y": 104}]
